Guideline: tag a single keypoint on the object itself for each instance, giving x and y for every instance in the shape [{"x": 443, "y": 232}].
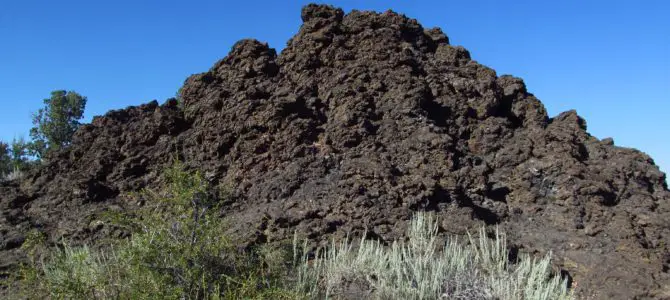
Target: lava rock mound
[{"x": 363, "y": 119}]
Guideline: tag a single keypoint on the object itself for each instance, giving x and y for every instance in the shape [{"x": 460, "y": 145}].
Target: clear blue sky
[{"x": 609, "y": 60}]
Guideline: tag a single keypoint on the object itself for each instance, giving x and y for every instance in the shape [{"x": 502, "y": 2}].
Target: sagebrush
[{"x": 421, "y": 269}]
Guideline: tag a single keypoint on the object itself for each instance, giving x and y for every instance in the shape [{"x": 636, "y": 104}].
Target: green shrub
[
  {"x": 178, "y": 250},
  {"x": 5, "y": 159}
]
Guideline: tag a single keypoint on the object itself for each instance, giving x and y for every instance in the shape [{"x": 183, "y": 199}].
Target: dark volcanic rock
[{"x": 362, "y": 120}]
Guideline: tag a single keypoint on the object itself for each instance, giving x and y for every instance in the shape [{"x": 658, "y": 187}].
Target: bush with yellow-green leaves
[{"x": 178, "y": 250}]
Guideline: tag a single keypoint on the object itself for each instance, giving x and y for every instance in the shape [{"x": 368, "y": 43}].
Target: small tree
[
  {"x": 56, "y": 123},
  {"x": 19, "y": 154}
]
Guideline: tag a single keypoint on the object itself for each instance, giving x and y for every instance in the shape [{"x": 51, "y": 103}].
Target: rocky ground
[{"x": 363, "y": 119}]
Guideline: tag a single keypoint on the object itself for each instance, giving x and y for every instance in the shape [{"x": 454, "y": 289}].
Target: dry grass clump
[{"x": 15, "y": 174}]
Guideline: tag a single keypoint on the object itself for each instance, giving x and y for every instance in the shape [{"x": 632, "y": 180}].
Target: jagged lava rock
[{"x": 362, "y": 120}]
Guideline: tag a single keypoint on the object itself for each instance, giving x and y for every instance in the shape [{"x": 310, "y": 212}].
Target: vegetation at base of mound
[{"x": 178, "y": 250}]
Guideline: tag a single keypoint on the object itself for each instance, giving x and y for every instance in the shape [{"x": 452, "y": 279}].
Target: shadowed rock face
[{"x": 363, "y": 119}]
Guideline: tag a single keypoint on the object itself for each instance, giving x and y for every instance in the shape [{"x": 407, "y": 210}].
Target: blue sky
[{"x": 609, "y": 60}]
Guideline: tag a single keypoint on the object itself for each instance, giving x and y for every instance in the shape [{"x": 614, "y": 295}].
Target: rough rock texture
[{"x": 363, "y": 119}]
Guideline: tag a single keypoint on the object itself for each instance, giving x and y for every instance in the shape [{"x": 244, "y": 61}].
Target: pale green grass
[{"x": 421, "y": 269}]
